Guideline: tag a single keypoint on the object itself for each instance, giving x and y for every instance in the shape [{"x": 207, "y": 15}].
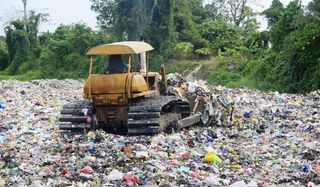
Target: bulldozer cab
[{"x": 118, "y": 83}]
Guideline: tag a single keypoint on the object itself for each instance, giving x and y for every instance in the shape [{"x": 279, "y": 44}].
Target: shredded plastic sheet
[{"x": 255, "y": 139}]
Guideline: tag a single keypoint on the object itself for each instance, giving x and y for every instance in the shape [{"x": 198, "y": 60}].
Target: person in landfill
[{"x": 116, "y": 65}]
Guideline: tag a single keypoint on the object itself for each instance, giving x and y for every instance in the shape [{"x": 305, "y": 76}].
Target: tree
[
  {"x": 162, "y": 30},
  {"x": 257, "y": 42},
  {"x": 274, "y": 12},
  {"x": 216, "y": 10},
  {"x": 250, "y": 23},
  {"x": 18, "y": 46},
  {"x": 126, "y": 19},
  {"x": 220, "y": 34},
  {"x": 282, "y": 21},
  {"x": 185, "y": 20},
  {"x": 293, "y": 63},
  {"x": 238, "y": 10},
  {"x": 83, "y": 38},
  {"x": 196, "y": 9},
  {"x": 32, "y": 27},
  {"x": 303, "y": 67},
  {"x": 65, "y": 49},
  {"x": 22, "y": 39},
  {"x": 314, "y": 8}
]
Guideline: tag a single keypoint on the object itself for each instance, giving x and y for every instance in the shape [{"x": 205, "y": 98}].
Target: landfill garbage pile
[{"x": 255, "y": 139}]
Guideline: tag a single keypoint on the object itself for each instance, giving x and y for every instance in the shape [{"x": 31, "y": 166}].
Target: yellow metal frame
[
  {"x": 128, "y": 47},
  {"x": 129, "y": 78},
  {"x": 90, "y": 71},
  {"x": 147, "y": 77}
]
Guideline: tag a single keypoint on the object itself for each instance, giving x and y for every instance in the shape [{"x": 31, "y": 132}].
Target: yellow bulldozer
[{"x": 128, "y": 102}]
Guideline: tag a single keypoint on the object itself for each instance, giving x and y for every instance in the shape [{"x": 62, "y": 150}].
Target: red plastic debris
[
  {"x": 86, "y": 170},
  {"x": 127, "y": 149},
  {"x": 185, "y": 154},
  {"x": 64, "y": 172},
  {"x": 130, "y": 179},
  {"x": 311, "y": 184}
]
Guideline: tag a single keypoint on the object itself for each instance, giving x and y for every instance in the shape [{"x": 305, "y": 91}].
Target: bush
[
  {"x": 4, "y": 56},
  {"x": 203, "y": 53},
  {"x": 222, "y": 77},
  {"x": 183, "y": 50}
]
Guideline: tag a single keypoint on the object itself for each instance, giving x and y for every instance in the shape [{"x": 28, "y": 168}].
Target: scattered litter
[{"x": 253, "y": 139}]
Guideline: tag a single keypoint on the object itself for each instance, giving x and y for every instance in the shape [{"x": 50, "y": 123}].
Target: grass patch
[
  {"x": 227, "y": 72},
  {"x": 186, "y": 66},
  {"x": 30, "y": 75}
]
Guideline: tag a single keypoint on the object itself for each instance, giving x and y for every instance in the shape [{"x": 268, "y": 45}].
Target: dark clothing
[{"x": 116, "y": 65}]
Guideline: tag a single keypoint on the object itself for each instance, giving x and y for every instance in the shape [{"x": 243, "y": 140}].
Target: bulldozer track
[
  {"x": 77, "y": 116},
  {"x": 154, "y": 115},
  {"x": 147, "y": 116}
]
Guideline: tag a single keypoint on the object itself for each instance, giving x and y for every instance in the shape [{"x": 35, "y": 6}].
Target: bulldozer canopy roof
[{"x": 129, "y": 47}]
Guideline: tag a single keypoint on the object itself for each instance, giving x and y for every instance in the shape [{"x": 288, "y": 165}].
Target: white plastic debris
[{"x": 115, "y": 175}]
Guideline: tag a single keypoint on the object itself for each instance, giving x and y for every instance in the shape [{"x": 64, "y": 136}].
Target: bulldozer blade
[{"x": 189, "y": 121}]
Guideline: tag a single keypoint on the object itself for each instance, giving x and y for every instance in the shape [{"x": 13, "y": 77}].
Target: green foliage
[
  {"x": 21, "y": 40},
  {"x": 216, "y": 10},
  {"x": 32, "y": 27},
  {"x": 83, "y": 38},
  {"x": 126, "y": 19},
  {"x": 203, "y": 52},
  {"x": 220, "y": 34},
  {"x": 183, "y": 50},
  {"x": 30, "y": 75},
  {"x": 65, "y": 50},
  {"x": 21, "y": 48},
  {"x": 292, "y": 65},
  {"x": 222, "y": 77},
  {"x": 162, "y": 32},
  {"x": 274, "y": 12},
  {"x": 183, "y": 66},
  {"x": 16, "y": 24},
  {"x": 185, "y": 17},
  {"x": 4, "y": 56},
  {"x": 314, "y": 8},
  {"x": 257, "y": 43},
  {"x": 31, "y": 65},
  {"x": 286, "y": 24},
  {"x": 249, "y": 23},
  {"x": 303, "y": 59},
  {"x": 234, "y": 52}
]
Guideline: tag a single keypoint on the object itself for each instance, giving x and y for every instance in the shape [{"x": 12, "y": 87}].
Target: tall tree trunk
[{"x": 25, "y": 12}]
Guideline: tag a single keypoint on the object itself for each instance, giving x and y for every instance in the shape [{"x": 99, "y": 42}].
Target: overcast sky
[{"x": 72, "y": 11}]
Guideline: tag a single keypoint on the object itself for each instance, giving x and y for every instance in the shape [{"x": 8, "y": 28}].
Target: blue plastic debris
[
  {"x": 2, "y": 106},
  {"x": 247, "y": 114}
]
